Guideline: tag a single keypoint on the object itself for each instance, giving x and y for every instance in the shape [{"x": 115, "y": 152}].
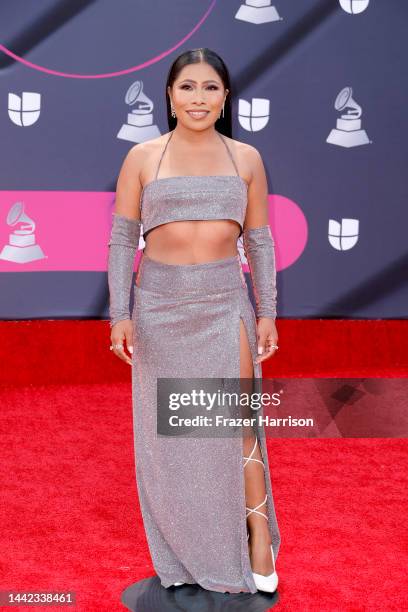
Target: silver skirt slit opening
[{"x": 186, "y": 324}]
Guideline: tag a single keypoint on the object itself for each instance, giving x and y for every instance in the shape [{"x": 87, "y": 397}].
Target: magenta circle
[
  {"x": 289, "y": 229},
  {"x": 106, "y": 75}
]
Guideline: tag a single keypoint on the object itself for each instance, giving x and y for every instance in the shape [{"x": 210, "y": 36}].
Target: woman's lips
[{"x": 197, "y": 114}]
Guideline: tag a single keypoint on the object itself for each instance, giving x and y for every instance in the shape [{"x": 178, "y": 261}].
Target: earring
[
  {"x": 222, "y": 112},
  {"x": 173, "y": 112}
]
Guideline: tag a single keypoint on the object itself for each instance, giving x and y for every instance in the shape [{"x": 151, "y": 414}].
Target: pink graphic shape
[
  {"x": 71, "y": 227},
  {"x": 106, "y": 75},
  {"x": 289, "y": 229}
]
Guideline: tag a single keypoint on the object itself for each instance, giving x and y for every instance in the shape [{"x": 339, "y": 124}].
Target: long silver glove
[
  {"x": 259, "y": 249},
  {"x": 123, "y": 245}
]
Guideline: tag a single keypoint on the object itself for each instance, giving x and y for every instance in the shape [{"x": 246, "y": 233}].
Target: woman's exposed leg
[{"x": 255, "y": 493}]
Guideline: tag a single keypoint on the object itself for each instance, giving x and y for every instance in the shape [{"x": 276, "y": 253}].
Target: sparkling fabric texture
[
  {"x": 192, "y": 490},
  {"x": 260, "y": 252},
  {"x": 195, "y": 198},
  {"x": 182, "y": 198},
  {"x": 123, "y": 244},
  {"x": 186, "y": 324}
]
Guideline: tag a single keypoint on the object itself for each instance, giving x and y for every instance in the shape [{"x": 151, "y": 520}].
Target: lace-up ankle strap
[
  {"x": 255, "y": 510},
  {"x": 250, "y": 456}
]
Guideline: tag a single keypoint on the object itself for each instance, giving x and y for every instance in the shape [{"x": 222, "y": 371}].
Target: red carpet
[
  {"x": 70, "y": 514},
  {"x": 45, "y": 352}
]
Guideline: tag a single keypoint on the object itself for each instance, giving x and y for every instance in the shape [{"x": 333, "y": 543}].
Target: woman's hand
[
  {"x": 122, "y": 330},
  {"x": 267, "y": 336}
]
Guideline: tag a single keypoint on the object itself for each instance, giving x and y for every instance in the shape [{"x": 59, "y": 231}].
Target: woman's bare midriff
[{"x": 192, "y": 242}]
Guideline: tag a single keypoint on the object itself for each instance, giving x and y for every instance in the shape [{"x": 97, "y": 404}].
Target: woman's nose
[{"x": 199, "y": 97}]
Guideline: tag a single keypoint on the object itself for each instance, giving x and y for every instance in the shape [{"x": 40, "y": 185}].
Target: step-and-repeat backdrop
[{"x": 320, "y": 88}]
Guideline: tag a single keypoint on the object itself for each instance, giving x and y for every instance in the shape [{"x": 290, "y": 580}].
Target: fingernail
[
  {"x": 131, "y": 350},
  {"x": 260, "y": 350}
]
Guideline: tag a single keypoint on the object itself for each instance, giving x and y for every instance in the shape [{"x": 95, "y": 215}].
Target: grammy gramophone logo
[
  {"x": 139, "y": 126},
  {"x": 257, "y": 12},
  {"x": 348, "y": 132},
  {"x": 21, "y": 247}
]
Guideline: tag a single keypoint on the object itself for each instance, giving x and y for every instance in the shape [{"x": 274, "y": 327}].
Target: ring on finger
[{"x": 116, "y": 346}]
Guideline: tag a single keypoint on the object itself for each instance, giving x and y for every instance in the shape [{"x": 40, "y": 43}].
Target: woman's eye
[{"x": 209, "y": 87}]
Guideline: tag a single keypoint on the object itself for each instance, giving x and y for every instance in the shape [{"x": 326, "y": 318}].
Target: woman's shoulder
[
  {"x": 143, "y": 154},
  {"x": 148, "y": 146},
  {"x": 236, "y": 142},
  {"x": 245, "y": 149},
  {"x": 247, "y": 155}
]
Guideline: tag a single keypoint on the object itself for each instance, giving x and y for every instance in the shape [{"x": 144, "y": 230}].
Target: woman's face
[{"x": 197, "y": 88}]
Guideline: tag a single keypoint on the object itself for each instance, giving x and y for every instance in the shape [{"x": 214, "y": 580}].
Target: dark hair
[{"x": 195, "y": 56}]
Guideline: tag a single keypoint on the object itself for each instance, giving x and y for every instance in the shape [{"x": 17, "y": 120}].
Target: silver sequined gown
[{"x": 186, "y": 324}]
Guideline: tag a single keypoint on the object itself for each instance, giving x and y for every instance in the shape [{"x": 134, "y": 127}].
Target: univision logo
[
  {"x": 24, "y": 110},
  {"x": 343, "y": 236}
]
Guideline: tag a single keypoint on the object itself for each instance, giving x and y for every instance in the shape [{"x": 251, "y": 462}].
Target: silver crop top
[{"x": 193, "y": 197}]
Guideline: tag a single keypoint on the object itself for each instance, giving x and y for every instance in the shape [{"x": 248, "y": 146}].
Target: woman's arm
[
  {"x": 125, "y": 236},
  {"x": 258, "y": 242}
]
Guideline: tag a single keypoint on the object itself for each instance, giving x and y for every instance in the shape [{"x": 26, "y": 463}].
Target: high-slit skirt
[{"x": 186, "y": 324}]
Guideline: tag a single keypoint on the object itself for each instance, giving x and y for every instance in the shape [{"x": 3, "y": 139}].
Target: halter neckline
[
  {"x": 166, "y": 145},
  {"x": 193, "y": 197}
]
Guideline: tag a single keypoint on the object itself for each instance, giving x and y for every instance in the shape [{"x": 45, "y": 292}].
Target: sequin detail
[
  {"x": 194, "y": 197},
  {"x": 123, "y": 244},
  {"x": 186, "y": 323},
  {"x": 192, "y": 490},
  {"x": 259, "y": 249}
]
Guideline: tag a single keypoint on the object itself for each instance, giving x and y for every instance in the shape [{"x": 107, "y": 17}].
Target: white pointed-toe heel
[
  {"x": 268, "y": 583},
  {"x": 178, "y": 583}
]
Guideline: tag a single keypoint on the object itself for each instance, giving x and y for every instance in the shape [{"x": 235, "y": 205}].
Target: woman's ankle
[
  {"x": 261, "y": 558},
  {"x": 260, "y": 534}
]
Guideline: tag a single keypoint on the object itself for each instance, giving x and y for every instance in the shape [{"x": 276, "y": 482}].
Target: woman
[{"x": 206, "y": 502}]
